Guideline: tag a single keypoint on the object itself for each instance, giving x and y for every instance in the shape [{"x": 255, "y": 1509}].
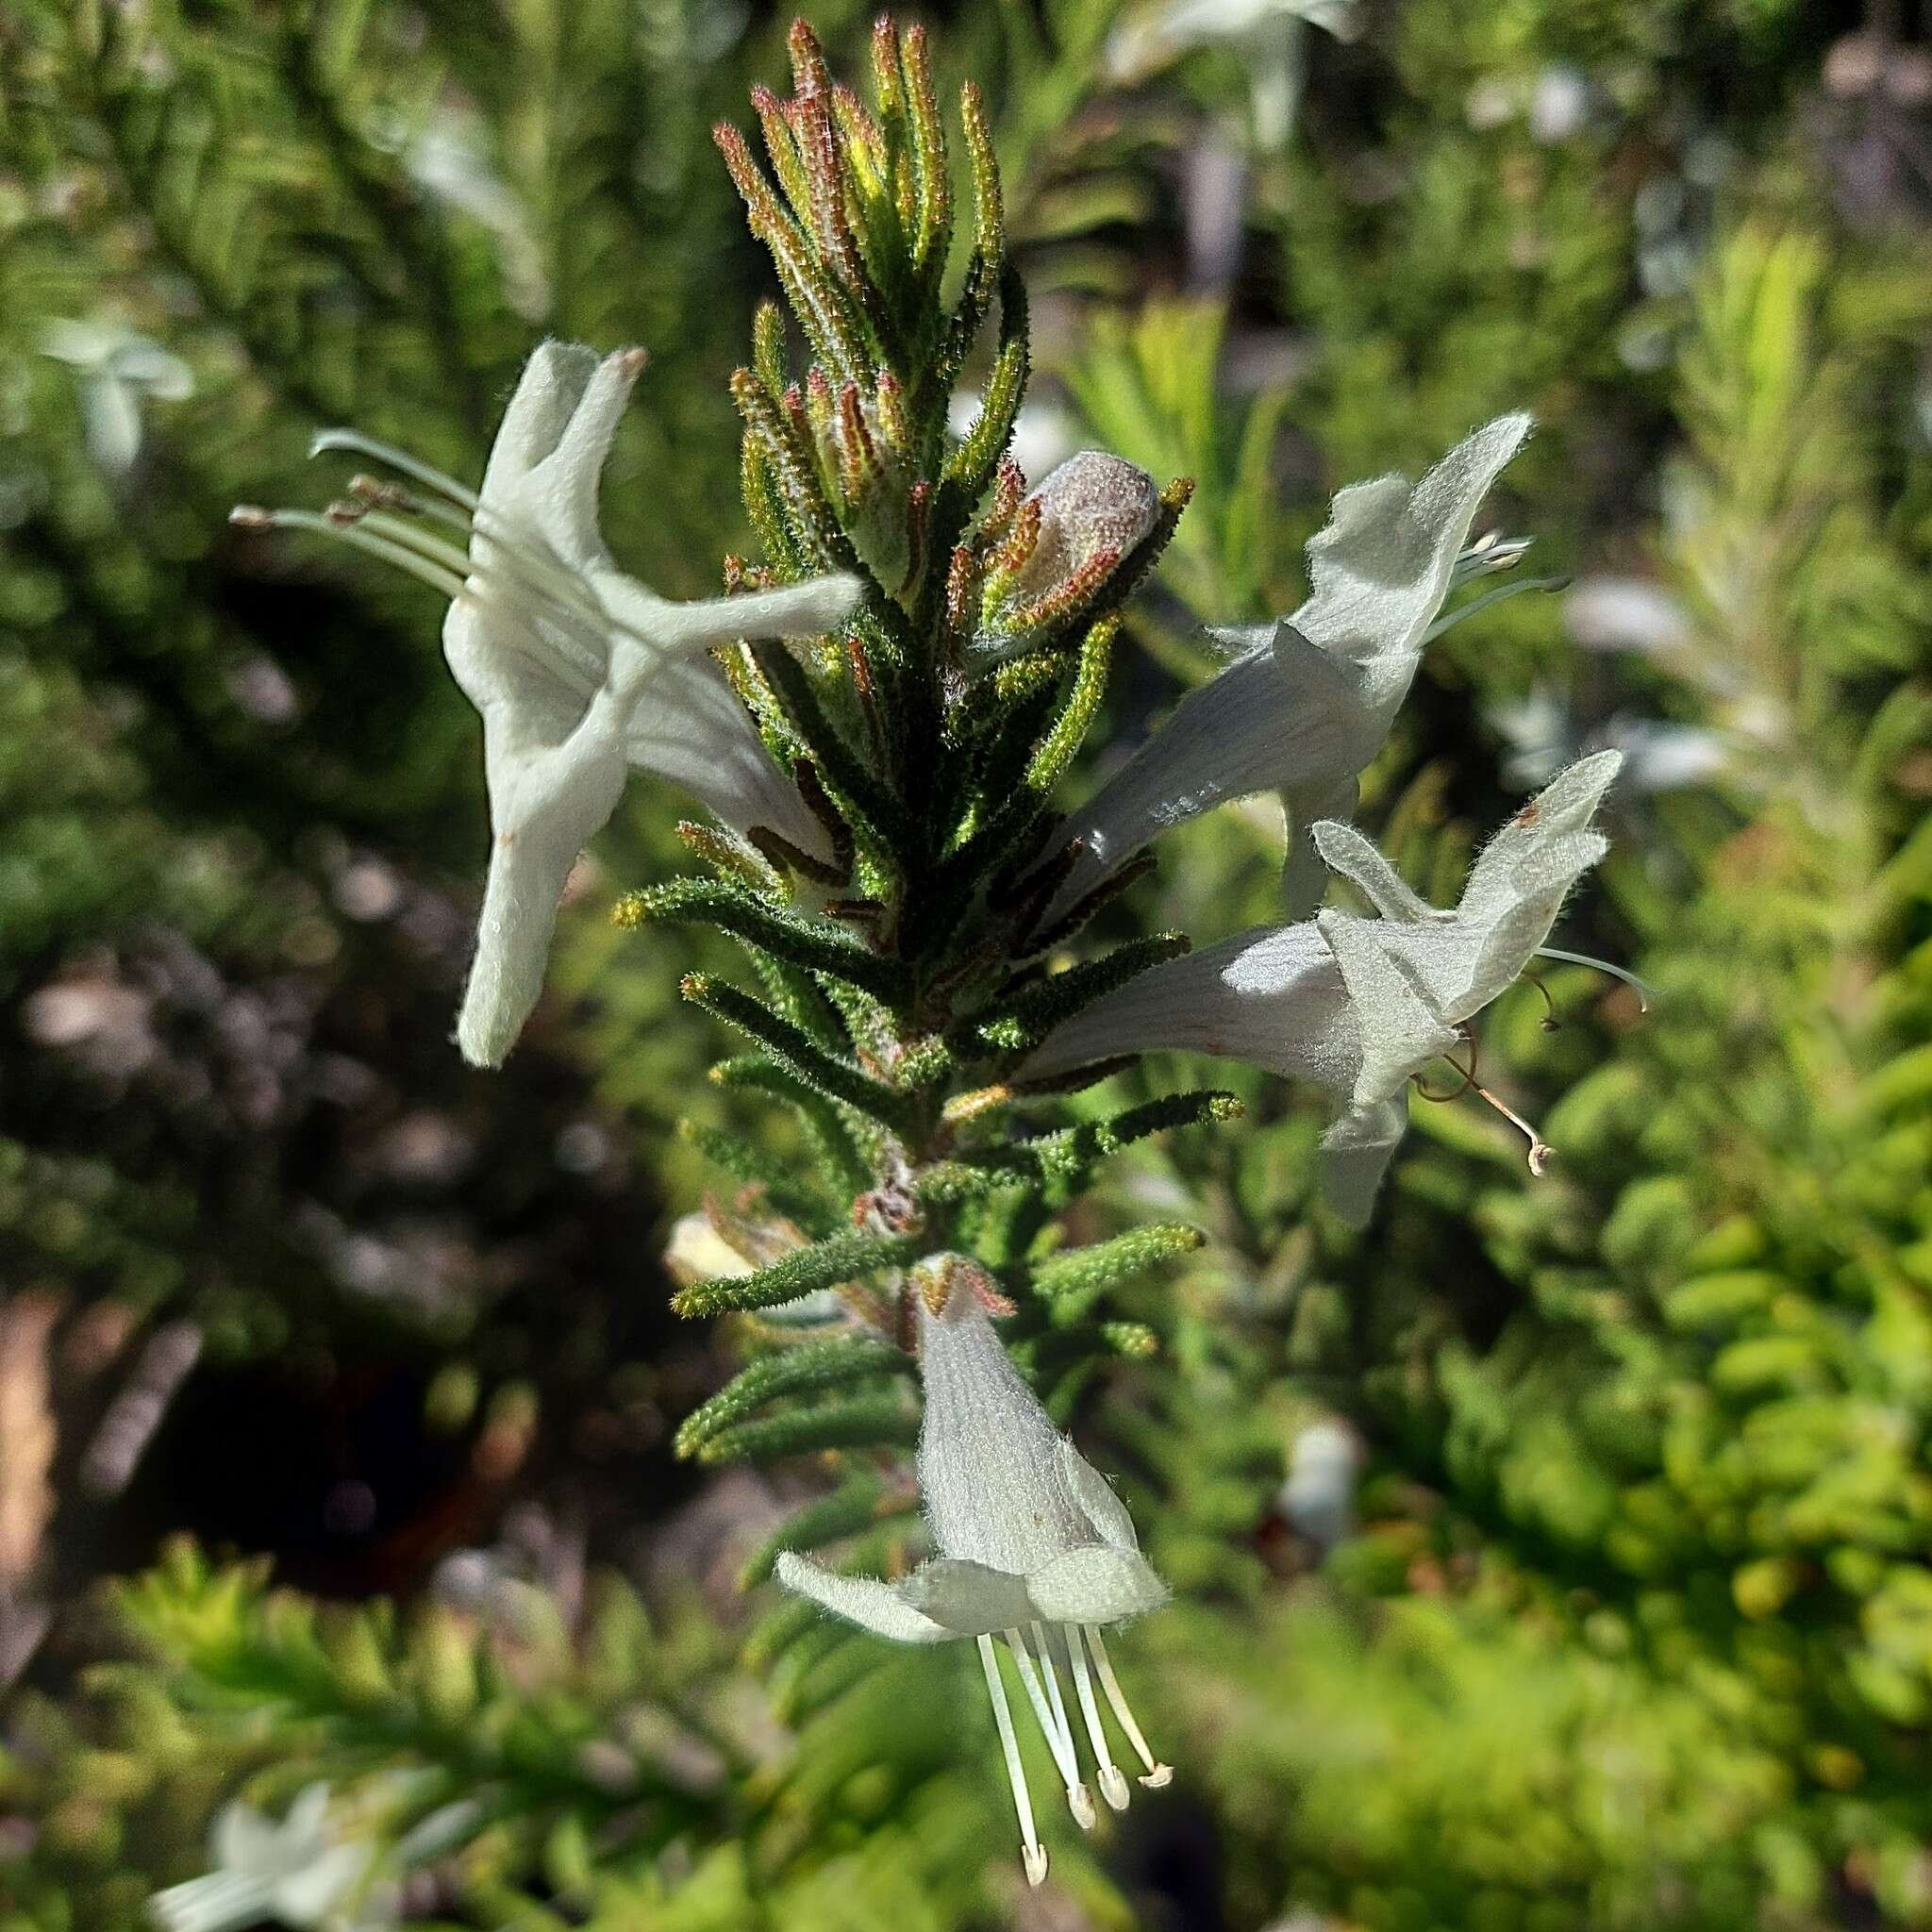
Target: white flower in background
[
  {"x": 1306, "y": 702},
  {"x": 1544, "y": 735},
  {"x": 300, "y": 1872},
  {"x": 1557, "y": 102},
  {"x": 1359, "y": 1005},
  {"x": 1613, "y": 613},
  {"x": 1318, "y": 1498},
  {"x": 1034, "y": 1548},
  {"x": 450, "y": 160},
  {"x": 1266, "y": 34},
  {"x": 1561, "y": 103},
  {"x": 580, "y": 673},
  {"x": 118, "y": 370}
]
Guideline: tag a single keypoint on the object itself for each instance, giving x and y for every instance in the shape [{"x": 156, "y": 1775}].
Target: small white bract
[
  {"x": 1307, "y": 701},
  {"x": 1034, "y": 1548},
  {"x": 580, "y": 673},
  {"x": 1360, "y": 1005},
  {"x": 298, "y": 1873}
]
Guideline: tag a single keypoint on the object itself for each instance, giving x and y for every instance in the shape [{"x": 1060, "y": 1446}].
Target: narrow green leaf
[
  {"x": 793, "y": 1049},
  {"x": 1068, "y": 1155},
  {"x": 877, "y": 815},
  {"x": 838, "y": 1258},
  {"x": 1025, "y": 1019},
  {"x": 863, "y": 1422},
  {"x": 1071, "y": 1280},
  {"x": 827, "y": 1131},
  {"x": 815, "y": 946},
  {"x": 789, "y": 1371},
  {"x": 782, "y": 1185}
]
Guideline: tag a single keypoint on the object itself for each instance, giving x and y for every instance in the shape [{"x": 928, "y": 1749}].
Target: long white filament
[
  {"x": 562, "y": 588},
  {"x": 1053, "y": 1683},
  {"x": 1158, "y": 1773},
  {"x": 1032, "y": 1852},
  {"x": 577, "y": 663},
  {"x": 1058, "y": 1739},
  {"x": 1113, "y": 1786},
  {"x": 437, "y": 577},
  {"x": 359, "y": 444}
]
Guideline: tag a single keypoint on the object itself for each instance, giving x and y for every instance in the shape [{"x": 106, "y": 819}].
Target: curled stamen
[
  {"x": 1540, "y": 1152},
  {"x": 387, "y": 453},
  {"x": 1550, "y": 1022},
  {"x": 1645, "y": 992},
  {"x": 1467, "y": 1073},
  {"x": 1454, "y": 1093}
]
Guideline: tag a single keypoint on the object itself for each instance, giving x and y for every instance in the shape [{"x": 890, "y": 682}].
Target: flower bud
[{"x": 1066, "y": 542}]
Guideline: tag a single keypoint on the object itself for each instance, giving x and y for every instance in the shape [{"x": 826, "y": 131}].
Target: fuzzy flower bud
[{"x": 1067, "y": 540}]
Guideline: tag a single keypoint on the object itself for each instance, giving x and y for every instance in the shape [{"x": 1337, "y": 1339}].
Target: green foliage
[{"x": 1633, "y": 1632}]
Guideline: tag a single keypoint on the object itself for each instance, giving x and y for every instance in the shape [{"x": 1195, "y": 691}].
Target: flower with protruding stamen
[
  {"x": 1305, "y": 703},
  {"x": 1034, "y": 1548},
  {"x": 1359, "y": 1005},
  {"x": 299, "y": 1873},
  {"x": 580, "y": 671}
]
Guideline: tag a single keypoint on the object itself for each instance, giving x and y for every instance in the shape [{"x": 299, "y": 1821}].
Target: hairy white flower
[
  {"x": 299, "y": 1873},
  {"x": 1034, "y": 1548},
  {"x": 1358, "y": 1005},
  {"x": 1306, "y": 702},
  {"x": 580, "y": 671}
]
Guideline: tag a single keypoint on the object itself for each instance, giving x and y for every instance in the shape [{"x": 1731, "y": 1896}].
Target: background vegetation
[{"x": 1630, "y": 1622}]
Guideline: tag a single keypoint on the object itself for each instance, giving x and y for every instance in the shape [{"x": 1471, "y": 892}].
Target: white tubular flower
[
  {"x": 297, "y": 1873},
  {"x": 1267, "y": 34},
  {"x": 1359, "y": 1005},
  {"x": 1034, "y": 1548},
  {"x": 580, "y": 673},
  {"x": 1306, "y": 702}
]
